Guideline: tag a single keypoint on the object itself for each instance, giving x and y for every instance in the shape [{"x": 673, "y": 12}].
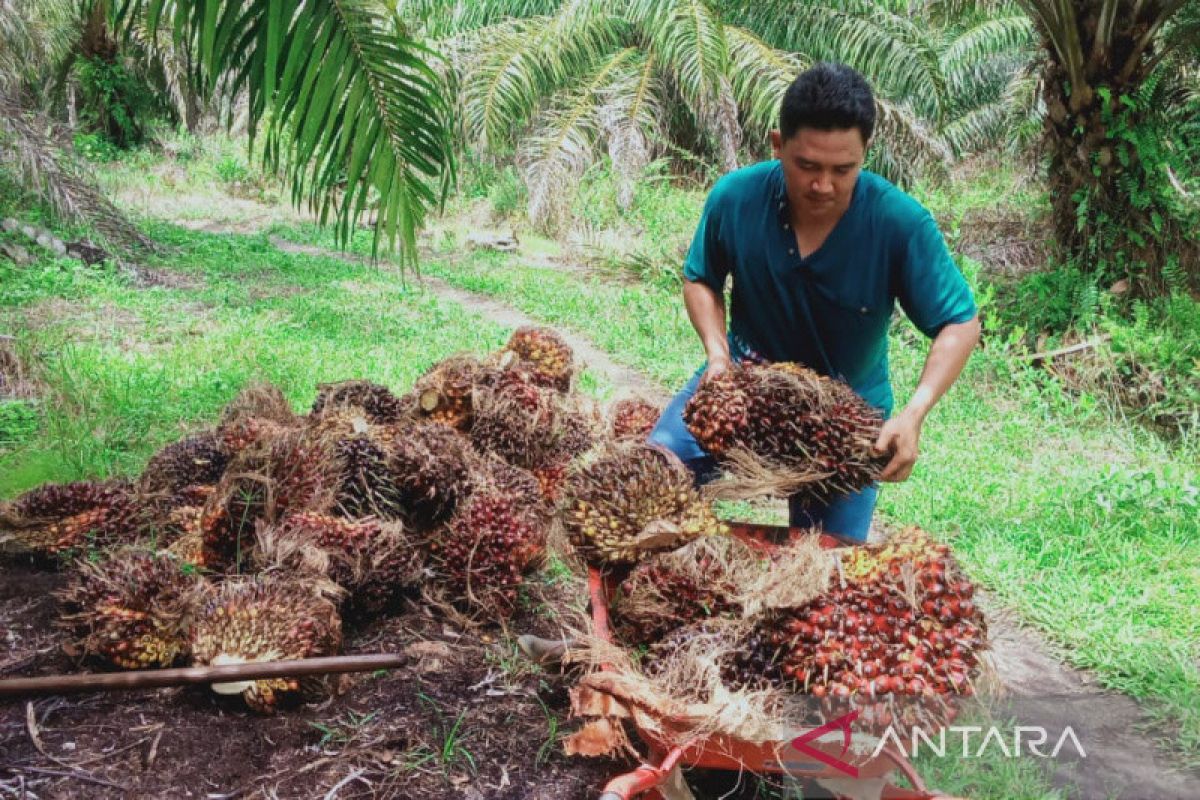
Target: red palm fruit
[
  {"x": 633, "y": 418},
  {"x": 379, "y": 405},
  {"x": 546, "y": 354},
  {"x": 198, "y": 460},
  {"x": 133, "y": 609},
  {"x": 57, "y": 519}
]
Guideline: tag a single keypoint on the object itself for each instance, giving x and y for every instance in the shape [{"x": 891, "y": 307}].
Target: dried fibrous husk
[
  {"x": 375, "y": 401},
  {"x": 133, "y": 609},
  {"x": 60, "y": 519},
  {"x": 254, "y": 620},
  {"x": 702, "y": 579},
  {"x": 796, "y": 573},
  {"x": 784, "y": 430},
  {"x": 627, "y": 500}
]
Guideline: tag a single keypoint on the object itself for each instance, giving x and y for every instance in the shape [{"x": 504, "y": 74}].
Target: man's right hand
[{"x": 716, "y": 366}]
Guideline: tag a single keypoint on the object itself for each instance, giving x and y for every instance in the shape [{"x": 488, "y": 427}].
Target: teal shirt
[{"x": 831, "y": 310}]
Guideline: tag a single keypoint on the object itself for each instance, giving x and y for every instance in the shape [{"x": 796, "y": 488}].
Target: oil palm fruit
[
  {"x": 380, "y": 406},
  {"x": 546, "y": 354},
  {"x": 258, "y": 413},
  {"x": 486, "y": 548},
  {"x": 54, "y": 519},
  {"x": 518, "y": 420},
  {"x": 632, "y": 418},
  {"x": 659, "y": 596},
  {"x": 629, "y": 500},
  {"x": 373, "y": 561},
  {"x": 429, "y": 465},
  {"x": 792, "y": 419},
  {"x": 197, "y": 460},
  {"x": 255, "y": 620},
  {"x": 133, "y": 609}
]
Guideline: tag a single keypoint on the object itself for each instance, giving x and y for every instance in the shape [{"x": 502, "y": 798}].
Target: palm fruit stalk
[
  {"x": 629, "y": 500},
  {"x": 783, "y": 429},
  {"x": 291, "y": 472},
  {"x": 133, "y": 609},
  {"x": 254, "y": 620},
  {"x": 374, "y": 562},
  {"x": 899, "y": 640},
  {"x": 444, "y": 393},
  {"x": 484, "y": 551},
  {"x": 377, "y": 402},
  {"x": 58, "y": 519},
  {"x": 545, "y": 354},
  {"x": 632, "y": 418}
]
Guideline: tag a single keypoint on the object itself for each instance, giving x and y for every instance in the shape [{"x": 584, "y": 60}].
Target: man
[{"x": 819, "y": 250}]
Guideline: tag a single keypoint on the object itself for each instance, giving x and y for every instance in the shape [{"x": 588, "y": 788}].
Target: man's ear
[{"x": 776, "y": 143}]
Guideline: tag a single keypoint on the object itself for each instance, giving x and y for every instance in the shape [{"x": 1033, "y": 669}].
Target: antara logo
[{"x": 1026, "y": 740}]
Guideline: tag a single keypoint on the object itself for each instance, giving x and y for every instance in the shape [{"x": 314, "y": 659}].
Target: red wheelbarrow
[{"x": 840, "y": 771}]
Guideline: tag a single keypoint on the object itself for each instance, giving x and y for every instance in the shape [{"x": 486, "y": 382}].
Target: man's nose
[{"x": 822, "y": 184}]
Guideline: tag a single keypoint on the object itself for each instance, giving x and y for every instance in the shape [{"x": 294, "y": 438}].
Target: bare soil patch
[{"x": 460, "y": 720}]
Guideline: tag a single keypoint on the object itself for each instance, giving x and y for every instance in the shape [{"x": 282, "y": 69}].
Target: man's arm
[
  {"x": 706, "y": 310},
  {"x": 947, "y": 357}
]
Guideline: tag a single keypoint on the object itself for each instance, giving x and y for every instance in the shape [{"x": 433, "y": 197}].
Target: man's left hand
[{"x": 899, "y": 436}]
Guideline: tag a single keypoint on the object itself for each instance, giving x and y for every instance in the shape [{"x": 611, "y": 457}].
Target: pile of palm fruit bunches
[{"x": 254, "y": 540}]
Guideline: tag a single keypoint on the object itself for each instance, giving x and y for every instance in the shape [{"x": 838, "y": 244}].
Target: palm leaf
[
  {"x": 351, "y": 111},
  {"x": 631, "y": 121},
  {"x": 760, "y": 75}
]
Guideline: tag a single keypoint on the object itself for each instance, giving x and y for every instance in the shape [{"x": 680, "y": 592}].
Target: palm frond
[
  {"x": 905, "y": 147},
  {"x": 631, "y": 123},
  {"x": 440, "y": 19},
  {"x": 760, "y": 75},
  {"x": 564, "y": 143},
  {"x": 992, "y": 37},
  {"x": 519, "y": 62},
  {"x": 350, "y": 108},
  {"x": 45, "y": 170},
  {"x": 35, "y": 36}
]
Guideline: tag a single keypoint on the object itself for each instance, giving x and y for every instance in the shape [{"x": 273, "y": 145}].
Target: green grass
[
  {"x": 129, "y": 368},
  {"x": 1090, "y": 528}
]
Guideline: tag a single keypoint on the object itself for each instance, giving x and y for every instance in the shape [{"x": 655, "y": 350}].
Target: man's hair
[{"x": 828, "y": 97}]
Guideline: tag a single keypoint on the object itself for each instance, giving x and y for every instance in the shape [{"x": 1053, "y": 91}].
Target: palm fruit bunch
[
  {"x": 380, "y": 406},
  {"x": 661, "y": 594},
  {"x": 812, "y": 433},
  {"x": 255, "y": 620},
  {"x": 292, "y": 471},
  {"x": 197, "y": 460},
  {"x": 429, "y": 465},
  {"x": 492, "y": 474},
  {"x": 632, "y": 418},
  {"x": 259, "y": 413},
  {"x": 133, "y": 609},
  {"x": 579, "y": 428},
  {"x": 373, "y": 561},
  {"x": 545, "y": 354},
  {"x": 630, "y": 500},
  {"x": 54, "y": 519},
  {"x": 899, "y": 643},
  {"x": 364, "y": 482},
  {"x": 518, "y": 420},
  {"x": 486, "y": 548},
  {"x": 181, "y": 535},
  {"x": 444, "y": 392}
]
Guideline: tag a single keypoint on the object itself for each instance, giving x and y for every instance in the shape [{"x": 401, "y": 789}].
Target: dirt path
[{"x": 1038, "y": 689}]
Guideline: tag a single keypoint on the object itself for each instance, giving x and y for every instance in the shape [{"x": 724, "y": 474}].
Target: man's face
[{"x": 820, "y": 168}]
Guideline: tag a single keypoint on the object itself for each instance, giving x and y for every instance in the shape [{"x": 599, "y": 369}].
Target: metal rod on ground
[{"x": 148, "y": 679}]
